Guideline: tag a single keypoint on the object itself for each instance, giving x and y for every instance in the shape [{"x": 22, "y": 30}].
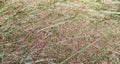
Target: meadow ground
[{"x": 59, "y": 32}]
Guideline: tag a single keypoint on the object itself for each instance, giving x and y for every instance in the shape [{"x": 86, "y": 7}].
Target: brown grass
[{"x": 59, "y": 32}]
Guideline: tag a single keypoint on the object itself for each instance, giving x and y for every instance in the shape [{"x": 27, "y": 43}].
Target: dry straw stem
[
  {"x": 65, "y": 21},
  {"x": 80, "y": 50}
]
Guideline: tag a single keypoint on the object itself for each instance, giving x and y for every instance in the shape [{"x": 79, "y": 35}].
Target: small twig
[
  {"x": 79, "y": 51},
  {"x": 66, "y": 20}
]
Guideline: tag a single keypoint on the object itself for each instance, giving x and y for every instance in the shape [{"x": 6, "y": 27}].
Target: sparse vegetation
[{"x": 59, "y": 32}]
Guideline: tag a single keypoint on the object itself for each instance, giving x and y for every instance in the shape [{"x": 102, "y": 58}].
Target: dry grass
[{"x": 59, "y": 32}]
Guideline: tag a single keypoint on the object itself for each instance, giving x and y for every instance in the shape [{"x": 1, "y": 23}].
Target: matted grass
[{"x": 59, "y": 32}]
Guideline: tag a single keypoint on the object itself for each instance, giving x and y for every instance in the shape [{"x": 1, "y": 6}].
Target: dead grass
[{"x": 59, "y": 32}]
